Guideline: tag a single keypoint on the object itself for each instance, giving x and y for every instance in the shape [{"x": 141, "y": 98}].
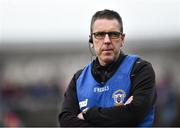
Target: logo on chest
[{"x": 119, "y": 97}]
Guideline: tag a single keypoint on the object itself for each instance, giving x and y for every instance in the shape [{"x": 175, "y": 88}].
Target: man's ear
[
  {"x": 90, "y": 39},
  {"x": 123, "y": 39},
  {"x": 123, "y": 36}
]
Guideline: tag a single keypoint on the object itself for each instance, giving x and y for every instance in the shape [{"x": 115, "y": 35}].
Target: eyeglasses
[{"x": 112, "y": 35}]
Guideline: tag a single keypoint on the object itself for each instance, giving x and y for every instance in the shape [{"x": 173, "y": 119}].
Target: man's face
[{"x": 107, "y": 49}]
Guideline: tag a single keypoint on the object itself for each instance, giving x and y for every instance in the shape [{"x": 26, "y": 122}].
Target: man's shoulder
[
  {"x": 141, "y": 61},
  {"x": 77, "y": 74},
  {"x": 141, "y": 64}
]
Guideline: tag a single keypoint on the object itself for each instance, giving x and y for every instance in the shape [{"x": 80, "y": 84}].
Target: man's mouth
[{"x": 107, "y": 49}]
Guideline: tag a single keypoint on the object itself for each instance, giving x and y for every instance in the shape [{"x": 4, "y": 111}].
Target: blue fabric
[{"x": 112, "y": 93}]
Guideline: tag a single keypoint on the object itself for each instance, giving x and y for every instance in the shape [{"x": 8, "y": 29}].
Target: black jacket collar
[{"x": 103, "y": 73}]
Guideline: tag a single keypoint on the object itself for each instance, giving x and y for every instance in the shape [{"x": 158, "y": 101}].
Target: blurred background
[{"x": 44, "y": 42}]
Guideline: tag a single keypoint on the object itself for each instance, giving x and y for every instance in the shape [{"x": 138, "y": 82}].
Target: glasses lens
[
  {"x": 99, "y": 35},
  {"x": 114, "y": 35}
]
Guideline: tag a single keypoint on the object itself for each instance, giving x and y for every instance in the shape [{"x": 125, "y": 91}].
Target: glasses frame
[{"x": 110, "y": 35}]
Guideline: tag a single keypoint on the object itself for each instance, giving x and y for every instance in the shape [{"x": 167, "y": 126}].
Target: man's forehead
[{"x": 106, "y": 23}]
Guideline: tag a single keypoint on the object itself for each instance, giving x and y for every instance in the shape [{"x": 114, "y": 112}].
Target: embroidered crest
[{"x": 119, "y": 97}]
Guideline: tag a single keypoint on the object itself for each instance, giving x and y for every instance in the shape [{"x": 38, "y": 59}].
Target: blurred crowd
[
  {"x": 168, "y": 101},
  {"x": 32, "y": 105}
]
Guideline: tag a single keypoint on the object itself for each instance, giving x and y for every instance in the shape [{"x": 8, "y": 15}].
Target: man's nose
[{"x": 107, "y": 39}]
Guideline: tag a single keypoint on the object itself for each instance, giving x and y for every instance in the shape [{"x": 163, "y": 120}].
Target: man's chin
[{"x": 108, "y": 60}]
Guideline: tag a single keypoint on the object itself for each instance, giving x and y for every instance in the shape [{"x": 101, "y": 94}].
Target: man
[{"x": 115, "y": 89}]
